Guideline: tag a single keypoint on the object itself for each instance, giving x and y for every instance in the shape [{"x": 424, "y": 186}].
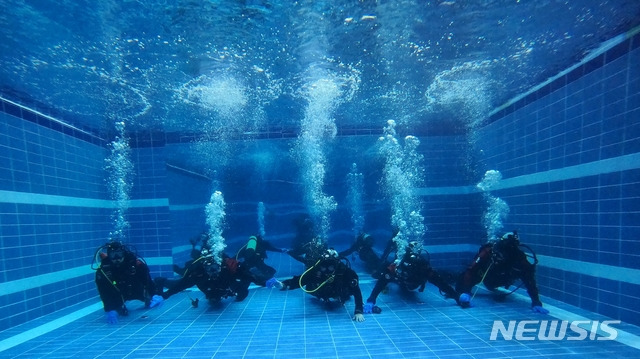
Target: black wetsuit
[
  {"x": 253, "y": 261},
  {"x": 505, "y": 265},
  {"x": 306, "y": 248},
  {"x": 366, "y": 253},
  {"x": 309, "y": 253},
  {"x": 329, "y": 279},
  {"x": 120, "y": 282},
  {"x": 214, "y": 281},
  {"x": 413, "y": 272},
  {"x": 202, "y": 239}
]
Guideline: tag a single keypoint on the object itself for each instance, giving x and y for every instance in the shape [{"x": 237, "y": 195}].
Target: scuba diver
[
  {"x": 364, "y": 247},
  {"x": 310, "y": 252},
  {"x": 499, "y": 264},
  {"x": 200, "y": 240},
  {"x": 331, "y": 277},
  {"x": 412, "y": 272},
  {"x": 122, "y": 275},
  {"x": 306, "y": 246},
  {"x": 252, "y": 256},
  {"x": 216, "y": 281}
]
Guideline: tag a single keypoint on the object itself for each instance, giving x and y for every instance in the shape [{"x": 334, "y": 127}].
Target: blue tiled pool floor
[{"x": 291, "y": 324}]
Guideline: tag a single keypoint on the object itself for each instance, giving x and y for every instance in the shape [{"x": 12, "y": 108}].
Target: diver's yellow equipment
[
  {"x": 253, "y": 241},
  {"x": 329, "y": 280},
  {"x": 481, "y": 280}
]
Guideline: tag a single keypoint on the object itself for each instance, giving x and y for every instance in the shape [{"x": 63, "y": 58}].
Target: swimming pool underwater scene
[{"x": 320, "y": 179}]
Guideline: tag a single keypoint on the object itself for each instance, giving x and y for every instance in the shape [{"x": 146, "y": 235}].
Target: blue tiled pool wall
[
  {"x": 150, "y": 221},
  {"x": 578, "y": 125},
  {"x": 451, "y": 218},
  {"x": 37, "y": 159},
  {"x": 186, "y": 225},
  {"x": 55, "y": 212},
  {"x": 45, "y": 225},
  {"x": 187, "y": 195}
]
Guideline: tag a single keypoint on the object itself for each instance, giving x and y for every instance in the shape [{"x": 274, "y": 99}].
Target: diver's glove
[
  {"x": 368, "y": 308},
  {"x": 273, "y": 282},
  {"x": 112, "y": 317},
  {"x": 156, "y": 301},
  {"x": 539, "y": 309},
  {"x": 464, "y": 300}
]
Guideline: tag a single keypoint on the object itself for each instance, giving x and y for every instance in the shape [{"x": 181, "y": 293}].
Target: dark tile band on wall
[
  {"x": 621, "y": 49},
  {"x": 159, "y": 138},
  {"x": 429, "y": 129},
  {"x": 55, "y": 125}
]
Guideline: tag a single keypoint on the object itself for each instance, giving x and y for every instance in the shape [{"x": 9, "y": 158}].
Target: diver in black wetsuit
[
  {"x": 364, "y": 247},
  {"x": 122, "y": 276},
  {"x": 197, "y": 245},
  {"x": 306, "y": 246},
  {"x": 252, "y": 256},
  {"x": 500, "y": 264},
  {"x": 216, "y": 281},
  {"x": 330, "y": 278},
  {"x": 412, "y": 272}
]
